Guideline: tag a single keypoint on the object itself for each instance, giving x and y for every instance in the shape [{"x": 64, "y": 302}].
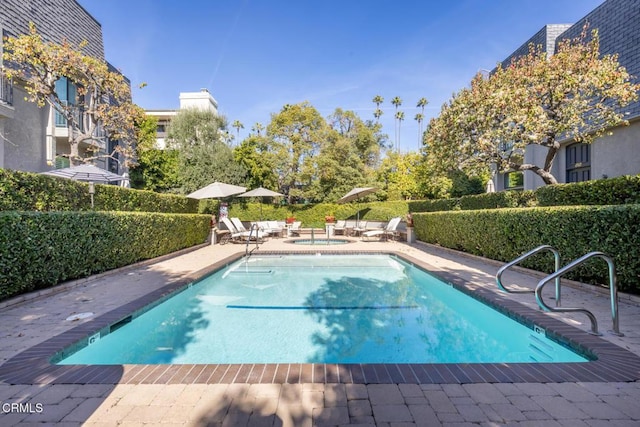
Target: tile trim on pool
[{"x": 613, "y": 363}]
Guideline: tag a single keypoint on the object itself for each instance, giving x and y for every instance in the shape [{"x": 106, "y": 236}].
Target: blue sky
[{"x": 255, "y": 56}]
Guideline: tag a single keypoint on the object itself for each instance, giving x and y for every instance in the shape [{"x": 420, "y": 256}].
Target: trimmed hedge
[
  {"x": 505, "y": 234},
  {"x": 41, "y": 249},
  {"x": 313, "y": 215},
  {"x": 611, "y": 191},
  {"x": 25, "y": 191},
  {"x": 503, "y": 199}
]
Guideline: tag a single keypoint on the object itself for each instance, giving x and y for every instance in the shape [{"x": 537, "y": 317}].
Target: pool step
[{"x": 540, "y": 350}]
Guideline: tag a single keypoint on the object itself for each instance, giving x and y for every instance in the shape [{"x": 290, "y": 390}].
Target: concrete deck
[{"x": 33, "y": 321}]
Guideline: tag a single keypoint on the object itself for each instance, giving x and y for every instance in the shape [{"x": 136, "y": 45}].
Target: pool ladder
[
  {"x": 253, "y": 227},
  {"x": 556, "y": 275}
]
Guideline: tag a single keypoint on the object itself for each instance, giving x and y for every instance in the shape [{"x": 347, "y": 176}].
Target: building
[
  {"x": 32, "y": 138},
  {"x": 202, "y": 100},
  {"x": 618, "y": 24}
]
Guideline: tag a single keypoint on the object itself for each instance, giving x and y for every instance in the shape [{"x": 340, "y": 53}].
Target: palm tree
[
  {"x": 238, "y": 125},
  {"x": 397, "y": 101},
  {"x": 419, "y": 118},
  {"x": 421, "y": 103},
  {"x": 257, "y": 128},
  {"x": 378, "y": 112},
  {"x": 400, "y": 118}
]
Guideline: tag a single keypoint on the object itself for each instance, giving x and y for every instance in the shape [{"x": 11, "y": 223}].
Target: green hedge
[
  {"x": 25, "y": 191},
  {"x": 610, "y": 191},
  {"x": 505, "y": 234},
  {"x": 41, "y": 249},
  {"x": 503, "y": 199},
  {"x": 313, "y": 215}
]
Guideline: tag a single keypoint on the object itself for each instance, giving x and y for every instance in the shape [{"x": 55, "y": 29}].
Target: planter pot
[{"x": 411, "y": 236}]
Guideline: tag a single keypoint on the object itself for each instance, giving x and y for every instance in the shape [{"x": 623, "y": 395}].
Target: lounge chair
[
  {"x": 360, "y": 228},
  {"x": 241, "y": 236},
  {"x": 294, "y": 230},
  {"x": 276, "y": 229},
  {"x": 388, "y": 231},
  {"x": 340, "y": 227}
]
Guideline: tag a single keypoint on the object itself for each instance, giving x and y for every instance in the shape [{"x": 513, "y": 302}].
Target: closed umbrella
[
  {"x": 89, "y": 173},
  {"x": 355, "y": 194},
  {"x": 490, "y": 188},
  {"x": 261, "y": 192}
]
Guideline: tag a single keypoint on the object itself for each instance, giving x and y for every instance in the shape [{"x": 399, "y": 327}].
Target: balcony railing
[{"x": 6, "y": 90}]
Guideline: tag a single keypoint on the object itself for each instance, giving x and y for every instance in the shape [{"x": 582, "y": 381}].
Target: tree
[
  {"x": 101, "y": 108},
  {"x": 297, "y": 132},
  {"x": 573, "y": 95},
  {"x": 203, "y": 153},
  {"x": 400, "y": 119},
  {"x": 397, "y": 102},
  {"x": 419, "y": 118},
  {"x": 256, "y": 156},
  {"x": 422, "y": 102},
  {"x": 238, "y": 125},
  {"x": 257, "y": 128},
  {"x": 378, "y": 112},
  {"x": 398, "y": 173}
]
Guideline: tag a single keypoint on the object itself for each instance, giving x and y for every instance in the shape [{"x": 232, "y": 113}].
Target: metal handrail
[
  {"x": 556, "y": 256},
  {"x": 253, "y": 226},
  {"x": 613, "y": 286}
]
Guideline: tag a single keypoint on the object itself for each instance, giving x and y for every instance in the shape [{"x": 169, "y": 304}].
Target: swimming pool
[{"x": 319, "y": 309}]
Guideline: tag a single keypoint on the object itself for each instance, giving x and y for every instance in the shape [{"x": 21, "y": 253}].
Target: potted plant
[
  {"x": 329, "y": 219},
  {"x": 290, "y": 219}
]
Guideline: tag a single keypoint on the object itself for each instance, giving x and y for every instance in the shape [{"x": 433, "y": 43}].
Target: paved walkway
[{"x": 546, "y": 404}]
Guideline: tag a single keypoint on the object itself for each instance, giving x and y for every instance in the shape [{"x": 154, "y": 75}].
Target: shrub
[
  {"x": 611, "y": 191},
  {"x": 25, "y": 191},
  {"x": 41, "y": 249},
  {"x": 313, "y": 215},
  {"x": 505, "y": 234}
]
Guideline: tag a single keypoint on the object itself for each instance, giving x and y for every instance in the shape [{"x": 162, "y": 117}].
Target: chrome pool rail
[
  {"x": 556, "y": 256},
  {"x": 613, "y": 290}
]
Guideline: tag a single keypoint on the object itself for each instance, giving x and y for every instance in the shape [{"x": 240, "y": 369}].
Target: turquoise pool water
[{"x": 321, "y": 309}]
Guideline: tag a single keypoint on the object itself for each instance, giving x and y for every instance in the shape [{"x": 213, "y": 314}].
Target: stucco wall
[{"x": 24, "y": 146}]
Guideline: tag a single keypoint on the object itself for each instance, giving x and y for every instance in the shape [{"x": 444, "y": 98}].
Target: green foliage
[
  {"x": 505, "y": 234},
  {"x": 41, "y": 249},
  {"x": 204, "y": 156},
  {"x": 611, "y": 191},
  {"x": 157, "y": 170},
  {"x": 25, "y": 191},
  {"x": 536, "y": 100},
  {"x": 312, "y": 215}
]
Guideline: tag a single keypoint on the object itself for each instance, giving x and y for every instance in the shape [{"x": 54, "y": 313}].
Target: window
[
  {"x": 578, "y": 162},
  {"x": 67, "y": 93},
  {"x": 513, "y": 181}
]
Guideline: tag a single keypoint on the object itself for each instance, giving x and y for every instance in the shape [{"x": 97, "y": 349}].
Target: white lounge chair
[
  {"x": 294, "y": 230},
  {"x": 241, "y": 236},
  {"x": 340, "y": 227},
  {"x": 385, "y": 233}
]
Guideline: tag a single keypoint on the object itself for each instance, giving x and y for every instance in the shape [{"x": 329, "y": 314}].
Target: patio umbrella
[
  {"x": 89, "y": 173},
  {"x": 355, "y": 194},
  {"x": 216, "y": 190},
  {"x": 261, "y": 192}
]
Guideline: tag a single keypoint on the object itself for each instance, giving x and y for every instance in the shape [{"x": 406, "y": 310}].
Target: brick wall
[{"x": 55, "y": 20}]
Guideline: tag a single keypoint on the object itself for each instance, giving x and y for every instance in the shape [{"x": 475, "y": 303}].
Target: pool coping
[{"x": 613, "y": 363}]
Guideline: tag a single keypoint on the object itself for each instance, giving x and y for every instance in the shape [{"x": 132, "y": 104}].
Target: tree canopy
[
  {"x": 204, "y": 155},
  {"x": 100, "y": 105},
  {"x": 575, "y": 94}
]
